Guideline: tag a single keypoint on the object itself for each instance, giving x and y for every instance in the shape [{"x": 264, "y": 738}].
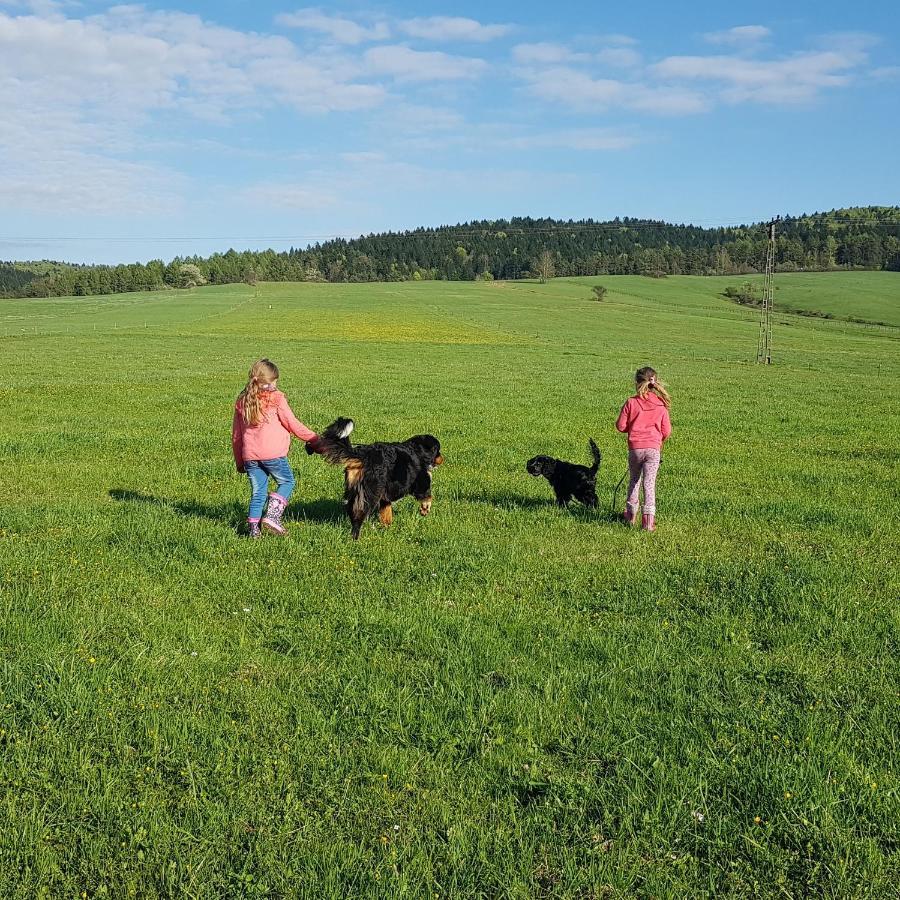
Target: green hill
[{"x": 510, "y": 249}]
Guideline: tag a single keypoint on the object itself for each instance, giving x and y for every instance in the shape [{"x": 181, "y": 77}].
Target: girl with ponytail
[
  {"x": 260, "y": 438},
  {"x": 645, "y": 419}
]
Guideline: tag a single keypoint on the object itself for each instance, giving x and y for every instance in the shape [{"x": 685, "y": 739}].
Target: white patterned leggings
[{"x": 643, "y": 464}]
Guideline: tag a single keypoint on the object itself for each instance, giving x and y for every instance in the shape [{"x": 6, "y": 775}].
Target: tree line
[{"x": 856, "y": 238}]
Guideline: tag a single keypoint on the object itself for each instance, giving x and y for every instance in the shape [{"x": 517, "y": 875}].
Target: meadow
[{"x": 503, "y": 699}]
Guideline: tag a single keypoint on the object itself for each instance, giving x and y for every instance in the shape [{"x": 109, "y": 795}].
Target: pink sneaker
[
  {"x": 274, "y": 512},
  {"x": 648, "y": 522}
]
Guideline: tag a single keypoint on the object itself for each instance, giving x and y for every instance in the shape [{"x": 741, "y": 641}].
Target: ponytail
[
  {"x": 648, "y": 382},
  {"x": 253, "y": 399}
]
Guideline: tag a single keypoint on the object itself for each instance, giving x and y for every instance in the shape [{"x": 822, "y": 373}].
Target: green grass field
[
  {"x": 868, "y": 297},
  {"x": 502, "y": 699}
]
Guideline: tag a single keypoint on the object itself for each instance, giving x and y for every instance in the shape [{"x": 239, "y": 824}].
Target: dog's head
[
  {"x": 541, "y": 465},
  {"x": 427, "y": 448}
]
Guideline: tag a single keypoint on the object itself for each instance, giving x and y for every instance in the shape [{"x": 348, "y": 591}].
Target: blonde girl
[
  {"x": 260, "y": 438},
  {"x": 645, "y": 419}
]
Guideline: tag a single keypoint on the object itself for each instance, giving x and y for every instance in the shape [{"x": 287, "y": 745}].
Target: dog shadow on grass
[
  {"x": 511, "y": 501},
  {"x": 234, "y": 514}
]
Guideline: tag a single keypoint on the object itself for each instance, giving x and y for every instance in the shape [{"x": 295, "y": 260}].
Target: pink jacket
[
  {"x": 271, "y": 438},
  {"x": 646, "y": 420}
]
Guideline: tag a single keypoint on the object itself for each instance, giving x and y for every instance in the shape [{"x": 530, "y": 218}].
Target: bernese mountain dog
[{"x": 378, "y": 475}]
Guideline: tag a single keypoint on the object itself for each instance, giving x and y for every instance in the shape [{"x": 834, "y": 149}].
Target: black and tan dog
[
  {"x": 378, "y": 475},
  {"x": 567, "y": 479}
]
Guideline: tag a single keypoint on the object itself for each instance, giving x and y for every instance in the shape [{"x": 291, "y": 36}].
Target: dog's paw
[{"x": 425, "y": 507}]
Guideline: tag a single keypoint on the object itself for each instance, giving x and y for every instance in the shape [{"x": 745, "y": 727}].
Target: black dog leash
[{"x": 616, "y": 491}]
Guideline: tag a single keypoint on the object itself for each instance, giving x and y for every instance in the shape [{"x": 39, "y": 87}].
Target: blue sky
[{"x": 159, "y": 129}]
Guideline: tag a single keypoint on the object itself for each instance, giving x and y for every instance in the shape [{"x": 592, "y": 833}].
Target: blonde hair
[
  {"x": 647, "y": 382},
  {"x": 253, "y": 397}
]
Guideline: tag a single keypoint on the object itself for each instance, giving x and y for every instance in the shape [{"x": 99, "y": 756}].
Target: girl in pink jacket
[
  {"x": 645, "y": 418},
  {"x": 260, "y": 437}
]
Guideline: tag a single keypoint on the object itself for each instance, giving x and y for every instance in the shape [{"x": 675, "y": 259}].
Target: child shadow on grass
[{"x": 234, "y": 514}]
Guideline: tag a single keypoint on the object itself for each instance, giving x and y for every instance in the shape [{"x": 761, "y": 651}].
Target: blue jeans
[{"x": 259, "y": 471}]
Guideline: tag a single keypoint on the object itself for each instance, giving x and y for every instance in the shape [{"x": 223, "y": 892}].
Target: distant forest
[{"x": 855, "y": 238}]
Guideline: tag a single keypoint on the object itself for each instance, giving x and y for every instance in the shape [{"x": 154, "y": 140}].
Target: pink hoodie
[
  {"x": 646, "y": 420},
  {"x": 271, "y": 438}
]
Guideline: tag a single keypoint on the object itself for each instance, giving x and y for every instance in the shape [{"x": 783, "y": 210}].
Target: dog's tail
[
  {"x": 598, "y": 456},
  {"x": 334, "y": 443}
]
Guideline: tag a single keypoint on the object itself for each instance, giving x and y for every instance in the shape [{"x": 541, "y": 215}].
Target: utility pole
[{"x": 764, "y": 344}]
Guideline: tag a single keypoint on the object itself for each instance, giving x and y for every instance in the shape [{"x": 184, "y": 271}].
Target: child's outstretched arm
[
  {"x": 237, "y": 441},
  {"x": 292, "y": 423}
]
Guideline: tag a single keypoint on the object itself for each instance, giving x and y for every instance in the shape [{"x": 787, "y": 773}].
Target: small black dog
[
  {"x": 377, "y": 475},
  {"x": 567, "y": 479}
]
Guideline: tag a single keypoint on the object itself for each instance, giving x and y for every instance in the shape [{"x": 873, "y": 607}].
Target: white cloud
[
  {"x": 619, "y": 57},
  {"x": 79, "y": 92},
  {"x": 453, "y": 28},
  {"x": 848, "y": 41},
  {"x": 138, "y": 61},
  {"x": 546, "y": 53},
  {"x": 413, "y": 117},
  {"x": 623, "y": 39},
  {"x": 742, "y": 34},
  {"x": 51, "y": 164},
  {"x": 885, "y": 73},
  {"x": 278, "y": 195},
  {"x": 797, "y": 79},
  {"x": 559, "y": 74},
  {"x": 41, "y": 7},
  {"x": 363, "y": 157},
  {"x": 406, "y": 64},
  {"x": 586, "y": 139},
  {"x": 343, "y": 31},
  {"x": 580, "y": 91}
]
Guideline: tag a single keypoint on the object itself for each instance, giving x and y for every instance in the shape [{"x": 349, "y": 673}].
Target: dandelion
[
  {"x": 757, "y": 819},
  {"x": 788, "y": 795},
  {"x": 92, "y": 660}
]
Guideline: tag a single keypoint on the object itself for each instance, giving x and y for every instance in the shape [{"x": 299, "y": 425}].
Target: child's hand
[{"x": 314, "y": 445}]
